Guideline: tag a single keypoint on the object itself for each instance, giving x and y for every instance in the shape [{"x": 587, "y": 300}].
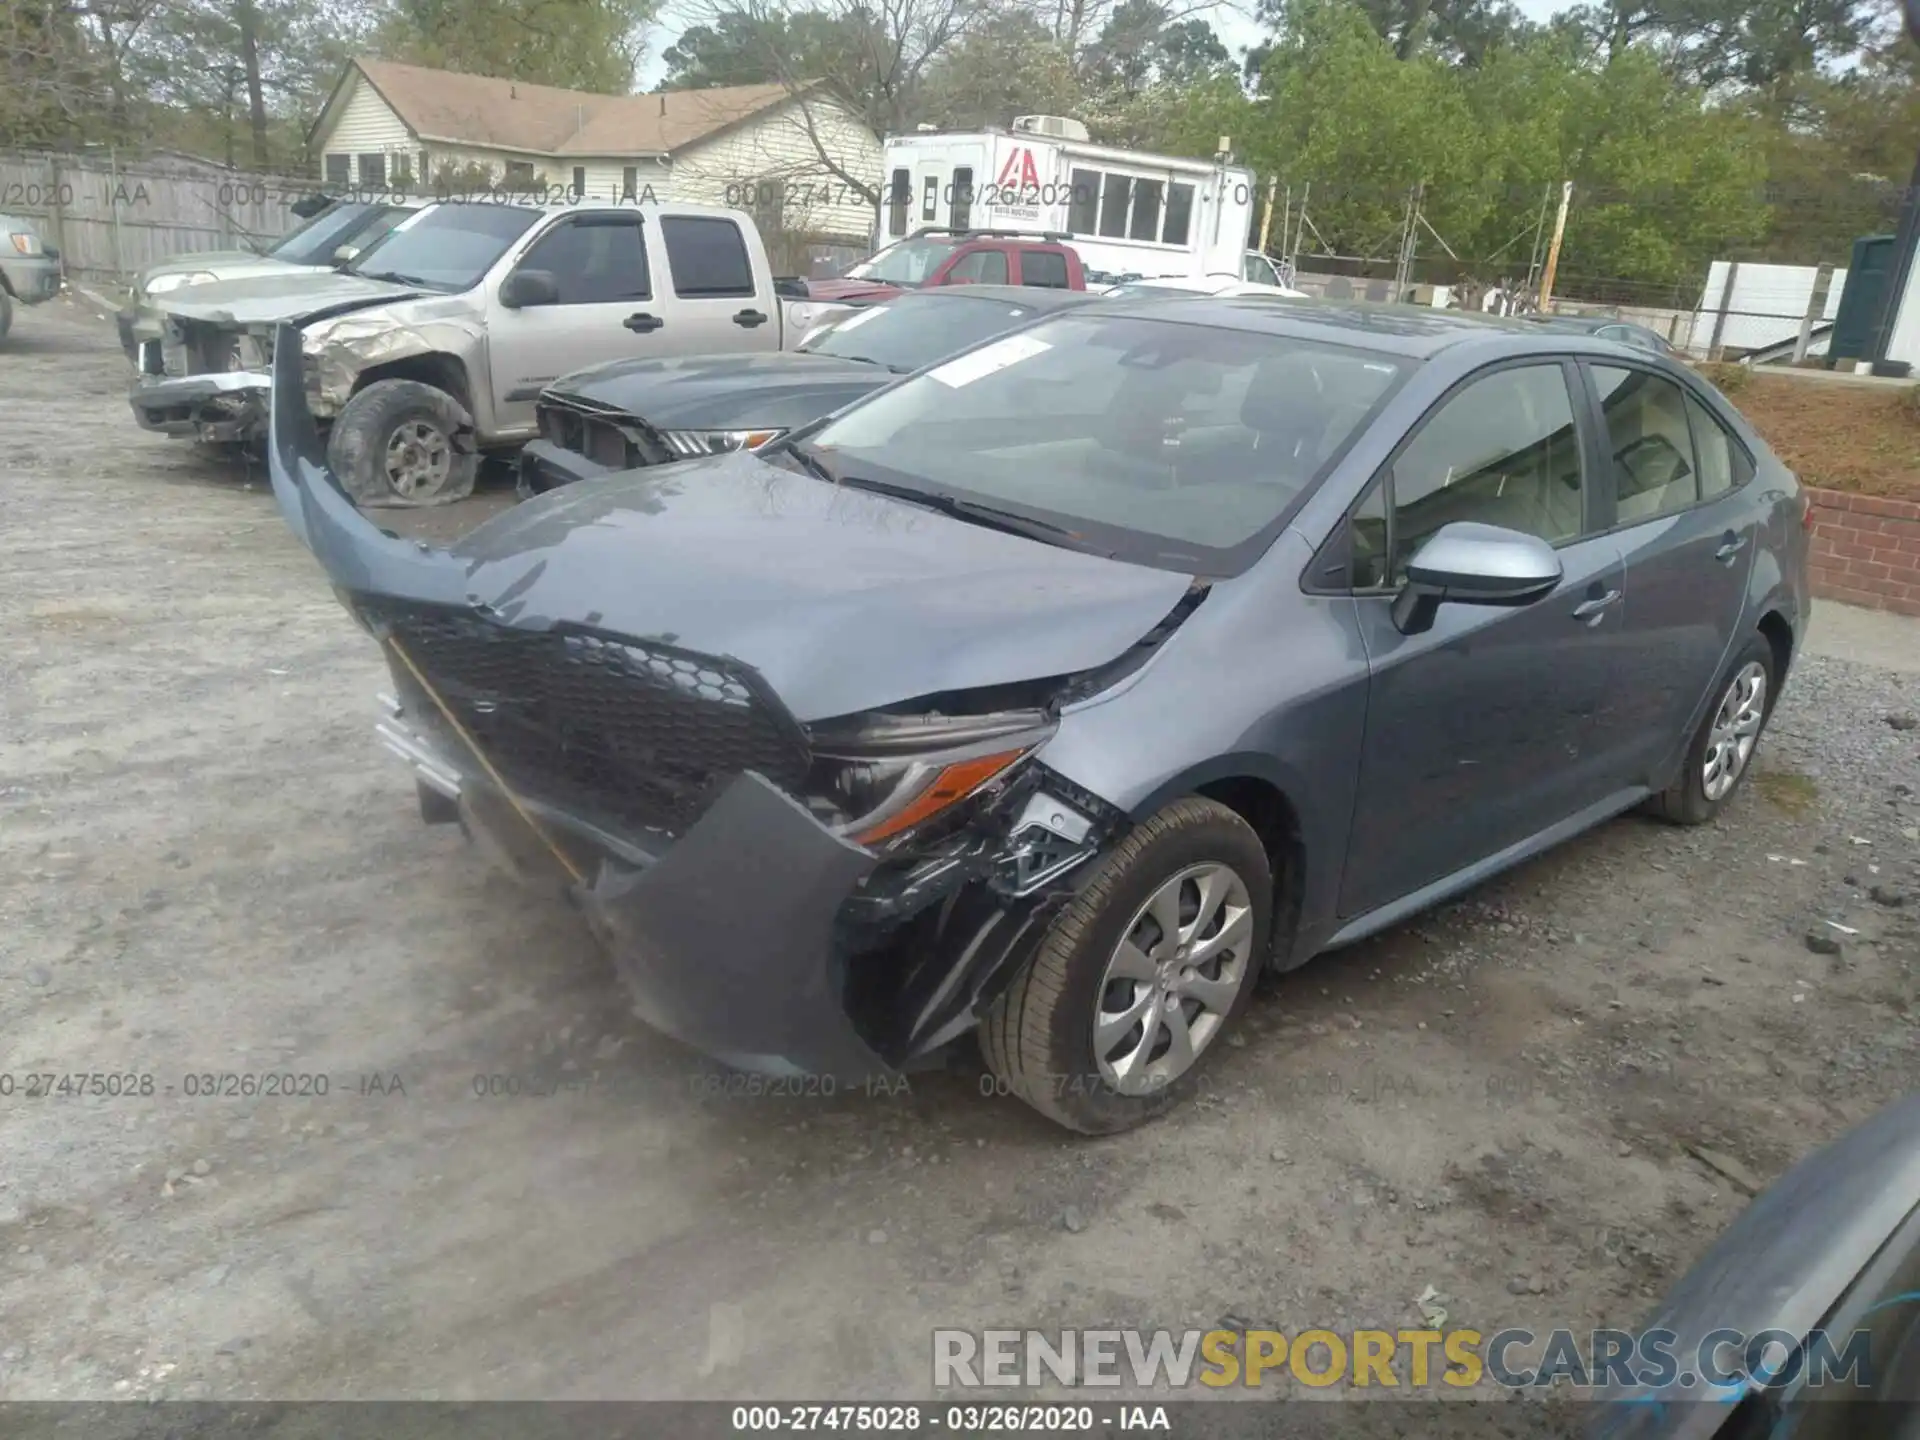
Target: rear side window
[
  {"x": 1044, "y": 268},
  {"x": 980, "y": 267},
  {"x": 1722, "y": 461},
  {"x": 594, "y": 261},
  {"x": 707, "y": 256},
  {"x": 1650, "y": 441}
]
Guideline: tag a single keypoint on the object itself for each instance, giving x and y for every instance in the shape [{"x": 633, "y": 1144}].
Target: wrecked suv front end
[{"x": 797, "y": 868}]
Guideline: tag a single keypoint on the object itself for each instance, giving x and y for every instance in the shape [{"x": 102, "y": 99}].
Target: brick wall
[{"x": 1866, "y": 551}]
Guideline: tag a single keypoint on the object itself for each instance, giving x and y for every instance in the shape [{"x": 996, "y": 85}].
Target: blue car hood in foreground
[{"x": 843, "y": 600}]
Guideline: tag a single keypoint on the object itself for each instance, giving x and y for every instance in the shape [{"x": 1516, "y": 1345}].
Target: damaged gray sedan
[{"x": 1055, "y": 692}]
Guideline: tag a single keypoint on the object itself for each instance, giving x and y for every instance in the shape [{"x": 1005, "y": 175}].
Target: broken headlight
[
  {"x": 691, "y": 443},
  {"x": 161, "y": 284},
  {"x": 887, "y": 778}
]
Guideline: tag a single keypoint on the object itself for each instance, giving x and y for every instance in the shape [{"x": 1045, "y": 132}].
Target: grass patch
[
  {"x": 1787, "y": 790},
  {"x": 1862, "y": 439},
  {"x": 1728, "y": 379}
]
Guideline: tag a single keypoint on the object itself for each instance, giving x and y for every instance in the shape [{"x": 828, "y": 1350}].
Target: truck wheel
[
  {"x": 1131, "y": 990},
  {"x": 400, "y": 443}
]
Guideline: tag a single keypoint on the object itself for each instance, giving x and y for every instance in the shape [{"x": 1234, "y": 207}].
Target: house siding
[
  {"x": 367, "y": 126},
  {"x": 729, "y": 169}
]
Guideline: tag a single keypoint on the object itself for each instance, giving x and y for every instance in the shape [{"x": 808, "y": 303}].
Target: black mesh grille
[
  {"x": 612, "y": 439},
  {"x": 629, "y": 733}
]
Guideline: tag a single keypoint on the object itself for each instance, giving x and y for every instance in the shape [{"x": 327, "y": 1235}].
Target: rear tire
[
  {"x": 402, "y": 444},
  {"x": 1737, "y": 715},
  {"x": 1039, "y": 1038}
]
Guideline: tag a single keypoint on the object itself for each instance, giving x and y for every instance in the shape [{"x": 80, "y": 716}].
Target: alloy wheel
[
  {"x": 1736, "y": 730},
  {"x": 1173, "y": 978},
  {"x": 419, "y": 460}
]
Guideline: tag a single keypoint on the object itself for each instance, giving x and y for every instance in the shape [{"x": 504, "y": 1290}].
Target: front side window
[
  {"x": 1650, "y": 441},
  {"x": 981, "y": 267},
  {"x": 1175, "y": 445},
  {"x": 596, "y": 260},
  {"x": 708, "y": 257},
  {"x": 446, "y": 247},
  {"x": 1504, "y": 451}
]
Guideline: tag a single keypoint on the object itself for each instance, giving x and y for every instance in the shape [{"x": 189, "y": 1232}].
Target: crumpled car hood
[
  {"x": 268, "y": 298},
  {"x": 843, "y": 600},
  {"x": 724, "y": 390}
]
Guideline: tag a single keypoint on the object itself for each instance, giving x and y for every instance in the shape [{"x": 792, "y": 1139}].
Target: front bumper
[
  {"x": 31, "y": 279},
  {"x": 228, "y": 406},
  {"x": 546, "y": 466}
]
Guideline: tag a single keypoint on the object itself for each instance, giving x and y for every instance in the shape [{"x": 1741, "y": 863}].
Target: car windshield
[
  {"x": 909, "y": 263},
  {"x": 1170, "y": 444},
  {"x": 445, "y": 247},
  {"x": 314, "y": 242},
  {"x": 916, "y": 330}
]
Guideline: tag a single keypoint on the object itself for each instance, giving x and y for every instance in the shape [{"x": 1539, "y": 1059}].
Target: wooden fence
[{"x": 111, "y": 218}]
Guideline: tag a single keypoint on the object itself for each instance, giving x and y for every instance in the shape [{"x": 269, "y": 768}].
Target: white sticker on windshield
[
  {"x": 859, "y": 317},
  {"x": 988, "y": 359}
]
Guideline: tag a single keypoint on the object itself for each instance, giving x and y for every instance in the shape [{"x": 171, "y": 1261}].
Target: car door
[
  {"x": 717, "y": 304},
  {"x": 1687, "y": 537},
  {"x": 604, "y": 310},
  {"x": 1478, "y": 730}
]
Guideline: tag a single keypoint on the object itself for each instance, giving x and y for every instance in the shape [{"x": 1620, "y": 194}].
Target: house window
[
  {"x": 962, "y": 213},
  {"x": 520, "y": 172},
  {"x": 1084, "y": 209},
  {"x": 630, "y": 182},
  {"x": 900, "y": 196},
  {"x": 579, "y": 181},
  {"x": 1111, "y": 206},
  {"x": 373, "y": 172},
  {"x": 340, "y": 170}
]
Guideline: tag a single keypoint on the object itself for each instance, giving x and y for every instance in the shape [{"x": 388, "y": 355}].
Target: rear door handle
[
  {"x": 749, "y": 318},
  {"x": 640, "y": 322},
  {"x": 1593, "y": 611},
  {"x": 1729, "y": 549}
]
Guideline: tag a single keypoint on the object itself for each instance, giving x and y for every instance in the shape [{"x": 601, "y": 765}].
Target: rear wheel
[
  {"x": 1132, "y": 988},
  {"x": 400, "y": 443},
  {"x": 1722, "y": 749}
]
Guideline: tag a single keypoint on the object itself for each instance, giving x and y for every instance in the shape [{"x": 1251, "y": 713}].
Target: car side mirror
[
  {"x": 1467, "y": 563},
  {"x": 344, "y": 254},
  {"x": 526, "y": 288}
]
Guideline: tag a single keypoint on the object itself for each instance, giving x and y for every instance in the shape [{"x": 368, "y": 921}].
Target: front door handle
[
  {"x": 1730, "y": 548},
  {"x": 1594, "y": 611},
  {"x": 640, "y": 322},
  {"x": 749, "y": 318}
]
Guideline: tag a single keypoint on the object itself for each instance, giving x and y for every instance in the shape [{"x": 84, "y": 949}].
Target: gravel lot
[{"x": 208, "y": 865}]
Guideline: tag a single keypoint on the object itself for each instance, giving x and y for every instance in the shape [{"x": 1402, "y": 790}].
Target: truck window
[
  {"x": 930, "y": 201},
  {"x": 1083, "y": 209},
  {"x": 1146, "y": 210},
  {"x": 900, "y": 193},
  {"x": 1115, "y": 192},
  {"x": 595, "y": 259},
  {"x": 707, "y": 256},
  {"x": 979, "y": 267},
  {"x": 1044, "y": 268},
  {"x": 1179, "y": 214},
  {"x": 962, "y": 212}
]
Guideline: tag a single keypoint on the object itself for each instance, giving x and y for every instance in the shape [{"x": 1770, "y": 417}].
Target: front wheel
[
  {"x": 1722, "y": 748},
  {"x": 1136, "y": 982},
  {"x": 400, "y": 443}
]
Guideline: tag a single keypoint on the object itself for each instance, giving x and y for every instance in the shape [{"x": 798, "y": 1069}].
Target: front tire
[
  {"x": 1134, "y": 985},
  {"x": 402, "y": 444},
  {"x": 1723, "y": 747}
]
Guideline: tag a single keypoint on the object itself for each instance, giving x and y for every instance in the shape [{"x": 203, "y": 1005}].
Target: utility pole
[
  {"x": 1553, "y": 250},
  {"x": 1266, "y": 219}
]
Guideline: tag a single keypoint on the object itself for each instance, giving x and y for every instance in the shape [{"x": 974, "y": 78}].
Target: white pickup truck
[{"x": 431, "y": 345}]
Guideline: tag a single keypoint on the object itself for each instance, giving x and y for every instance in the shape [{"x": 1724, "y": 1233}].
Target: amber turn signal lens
[{"x": 950, "y": 787}]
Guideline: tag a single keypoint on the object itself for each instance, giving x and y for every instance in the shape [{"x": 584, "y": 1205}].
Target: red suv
[{"x": 938, "y": 255}]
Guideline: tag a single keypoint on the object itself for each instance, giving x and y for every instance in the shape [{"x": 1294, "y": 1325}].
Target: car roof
[
  {"x": 1034, "y": 297},
  {"x": 1414, "y": 331}
]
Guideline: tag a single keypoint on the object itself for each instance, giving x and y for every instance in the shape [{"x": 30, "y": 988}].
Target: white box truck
[{"x": 1129, "y": 214}]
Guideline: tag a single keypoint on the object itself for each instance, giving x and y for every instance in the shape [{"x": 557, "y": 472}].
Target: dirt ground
[
  {"x": 208, "y": 866},
  {"x": 1836, "y": 433}
]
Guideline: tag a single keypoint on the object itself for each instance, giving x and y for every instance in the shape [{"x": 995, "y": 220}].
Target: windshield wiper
[
  {"x": 395, "y": 277},
  {"x": 977, "y": 512},
  {"x": 811, "y": 462},
  {"x": 869, "y": 360}
]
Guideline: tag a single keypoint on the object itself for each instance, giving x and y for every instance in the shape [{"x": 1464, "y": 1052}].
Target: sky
[{"x": 1234, "y": 24}]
